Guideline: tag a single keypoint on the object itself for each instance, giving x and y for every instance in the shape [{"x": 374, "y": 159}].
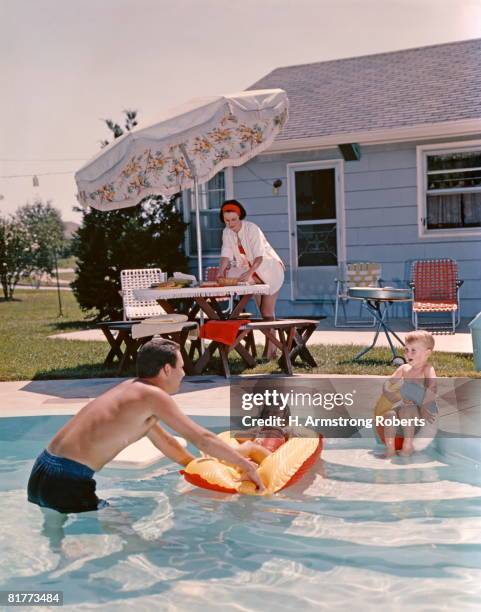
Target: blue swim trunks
[{"x": 63, "y": 485}]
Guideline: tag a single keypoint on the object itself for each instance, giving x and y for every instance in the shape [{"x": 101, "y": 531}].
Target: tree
[
  {"x": 145, "y": 236},
  {"x": 17, "y": 254},
  {"x": 46, "y": 230}
]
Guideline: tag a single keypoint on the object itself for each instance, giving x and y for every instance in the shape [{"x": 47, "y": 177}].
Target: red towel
[{"x": 222, "y": 331}]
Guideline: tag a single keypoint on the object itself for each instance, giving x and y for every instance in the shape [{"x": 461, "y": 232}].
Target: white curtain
[{"x": 454, "y": 210}]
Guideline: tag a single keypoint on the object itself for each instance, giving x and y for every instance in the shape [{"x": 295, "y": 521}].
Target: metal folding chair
[
  {"x": 435, "y": 286},
  {"x": 359, "y": 274}
]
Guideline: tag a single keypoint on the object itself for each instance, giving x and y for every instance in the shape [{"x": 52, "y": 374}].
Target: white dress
[{"x": 255, "y": 244}]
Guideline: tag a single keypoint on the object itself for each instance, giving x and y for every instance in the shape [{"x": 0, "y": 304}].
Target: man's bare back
[
  {"x": 62, "y": 476},
  {"x": 109, "y": 423}
]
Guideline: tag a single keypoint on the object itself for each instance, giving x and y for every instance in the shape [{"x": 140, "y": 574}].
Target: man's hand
[{"x": 249, "y": 472}]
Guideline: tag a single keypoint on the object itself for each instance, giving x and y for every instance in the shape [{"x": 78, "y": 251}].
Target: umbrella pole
[
  {"x": 198, "y": 228},
  {"x": 199, "y": 247},
  {"x": 191, "y": 167}
]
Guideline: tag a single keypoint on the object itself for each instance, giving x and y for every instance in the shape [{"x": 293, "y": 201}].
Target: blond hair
[{"x": 422, "y": 336}]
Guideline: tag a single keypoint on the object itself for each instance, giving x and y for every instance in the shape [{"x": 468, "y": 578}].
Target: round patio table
[{"x": 377, "y": 301}]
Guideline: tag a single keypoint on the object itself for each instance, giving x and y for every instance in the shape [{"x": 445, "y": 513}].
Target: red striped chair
[{"x": 435, "y": 287}]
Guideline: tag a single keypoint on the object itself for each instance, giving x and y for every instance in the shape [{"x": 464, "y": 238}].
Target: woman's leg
[{"x": 268, "y": 312}]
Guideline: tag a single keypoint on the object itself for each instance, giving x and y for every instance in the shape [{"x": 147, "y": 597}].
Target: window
[
  {"x": 211, "y": 196},
  {"x": 451, "y": 198}
]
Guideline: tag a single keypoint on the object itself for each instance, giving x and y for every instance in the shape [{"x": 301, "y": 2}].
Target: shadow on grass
[
  {"x": 72, "y": 325},
  {"x": 88, "y": 370},
  {"x": 365, "y": 362},
  {"x": 4, "y": 300}
]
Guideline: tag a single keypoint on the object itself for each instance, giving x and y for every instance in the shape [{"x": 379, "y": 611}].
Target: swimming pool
[{"x": 356, "y": 531}]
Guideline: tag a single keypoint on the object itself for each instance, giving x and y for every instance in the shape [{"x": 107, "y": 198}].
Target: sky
[{"x": 66, "y": 65}]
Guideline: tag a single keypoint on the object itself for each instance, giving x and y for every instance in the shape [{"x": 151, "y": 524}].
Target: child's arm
[{"x": 393, "y": 394}]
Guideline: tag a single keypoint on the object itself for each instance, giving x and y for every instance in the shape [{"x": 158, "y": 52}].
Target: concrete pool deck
[{"x": 326, "y": 333}]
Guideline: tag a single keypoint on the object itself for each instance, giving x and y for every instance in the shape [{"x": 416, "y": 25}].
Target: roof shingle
[{"x": 387, "y": 90}]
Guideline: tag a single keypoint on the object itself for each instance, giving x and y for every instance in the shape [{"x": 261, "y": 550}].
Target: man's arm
[
  {"x": 169, "y": 445},
  {"x": 168, "y": 411}
]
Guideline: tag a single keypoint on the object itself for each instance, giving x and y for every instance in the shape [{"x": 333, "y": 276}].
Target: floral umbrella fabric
[{"x": 195, "y": 141}]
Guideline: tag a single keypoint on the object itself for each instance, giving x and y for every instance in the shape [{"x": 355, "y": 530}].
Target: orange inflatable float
[
  {"x": 394, "y": 391},
  {"x": 279, "y": 470}
]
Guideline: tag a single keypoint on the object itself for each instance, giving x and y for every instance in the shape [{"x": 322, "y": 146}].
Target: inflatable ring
[
  {"x": 422, "y": 438},
  {"x": 279, "y": 470}
]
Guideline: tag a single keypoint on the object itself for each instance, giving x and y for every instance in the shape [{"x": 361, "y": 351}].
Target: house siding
[{"x": 380, "y": 200}]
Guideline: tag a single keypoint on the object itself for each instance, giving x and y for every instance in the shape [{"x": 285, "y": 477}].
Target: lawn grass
[
  {"x": 67, "y": 262},
  {"x": 27, "y": 353}
]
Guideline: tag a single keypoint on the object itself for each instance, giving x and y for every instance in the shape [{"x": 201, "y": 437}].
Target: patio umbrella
[{"x": 187, "y": 147}]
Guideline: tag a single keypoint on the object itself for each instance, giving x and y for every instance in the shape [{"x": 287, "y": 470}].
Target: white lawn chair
[
  {"x": 355, "y": 275},
  {"x": 141, "y": 278}
]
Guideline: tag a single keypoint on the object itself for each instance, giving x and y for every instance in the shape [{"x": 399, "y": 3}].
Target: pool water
[{"x": 357, "y": 530}]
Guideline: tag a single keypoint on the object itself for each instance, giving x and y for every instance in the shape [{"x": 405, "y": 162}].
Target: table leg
[
  {"x": 207, "y": 308},
  {"x": 224, "y": 359},
  {"x": 131, "y": 348},
  {"x": 301, "y": 350},
  {"x": 380, "y": 316},
  {"x": 181, "y": 339},
  {"x": 206, "y": 356},
  {"x": 240, "y": 306},
  {"x": 376, "y": 313},
  {"x": 115, "y": 346},
  {"x": 249, "y": 360},
  {"x": 285, "y": 361},
  {"x": 169, "y": 308}
]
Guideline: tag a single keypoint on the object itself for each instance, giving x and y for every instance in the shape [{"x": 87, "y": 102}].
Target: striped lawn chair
[
  {"x": 435, "y": 286},
  {"x": 360, "y": 274}
]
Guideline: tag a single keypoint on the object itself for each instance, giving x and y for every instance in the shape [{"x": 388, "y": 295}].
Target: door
[{"x": 316, "y": 236}]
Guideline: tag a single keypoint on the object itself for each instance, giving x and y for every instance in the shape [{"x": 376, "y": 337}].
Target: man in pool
[{"x": 62, "y": 476}]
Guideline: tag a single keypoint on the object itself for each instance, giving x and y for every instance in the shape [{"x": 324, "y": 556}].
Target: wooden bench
[
  {"x": 124, "y": 348},
  {"x": 292, "y": 337}
]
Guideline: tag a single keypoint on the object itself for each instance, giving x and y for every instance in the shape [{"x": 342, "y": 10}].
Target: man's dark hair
[{"x": 154, "y": 355}]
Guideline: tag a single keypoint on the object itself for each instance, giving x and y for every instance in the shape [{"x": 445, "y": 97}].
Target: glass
[
  {"x": 317, "y": 244},
  {"x": 455, "y": 180},
  {"x": 452, "y": 161},
  {"x": 211, "y": 228},
  {"x": 455, "y": 210},
  {"x": 315, "y": 194},
  {"x": 216, "y": 191}
]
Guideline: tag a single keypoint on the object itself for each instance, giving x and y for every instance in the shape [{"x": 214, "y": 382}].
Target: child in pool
[
  {"x": 259, "y": 442},
  {"x": 417, "y": 385}
]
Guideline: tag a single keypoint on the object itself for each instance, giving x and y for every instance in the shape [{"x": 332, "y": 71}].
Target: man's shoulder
[{"x": 141, "y": 390}]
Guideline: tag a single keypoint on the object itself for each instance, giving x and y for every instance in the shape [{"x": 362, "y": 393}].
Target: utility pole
[{"x": 60, "y": 313}]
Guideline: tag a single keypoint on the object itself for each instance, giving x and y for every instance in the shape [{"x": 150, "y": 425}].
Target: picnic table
[
  {"x": 292, "y": 337},
  {"x": 203, "y": 299},
  {"x": 288, "y": 335}
]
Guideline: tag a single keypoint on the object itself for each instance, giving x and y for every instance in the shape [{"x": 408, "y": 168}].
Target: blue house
[{"x": 380, "y": 161}]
